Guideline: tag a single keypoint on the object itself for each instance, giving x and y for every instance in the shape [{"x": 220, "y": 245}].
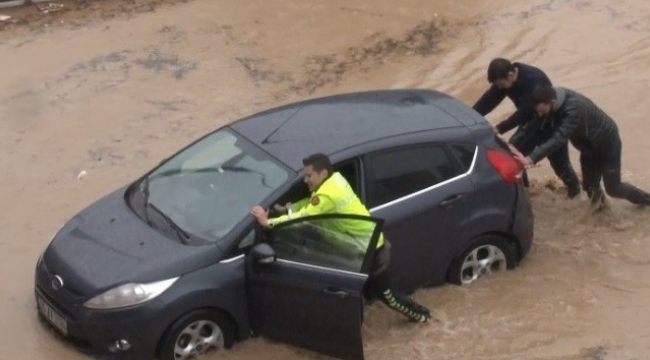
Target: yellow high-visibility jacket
[{"x": 334, "y": 196}]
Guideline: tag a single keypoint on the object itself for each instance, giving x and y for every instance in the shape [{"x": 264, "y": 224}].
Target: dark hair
[
  {"x": 543, "y": 94},
  {"x": 319, "y": 162},
  {"x": 499, "y": 69}
]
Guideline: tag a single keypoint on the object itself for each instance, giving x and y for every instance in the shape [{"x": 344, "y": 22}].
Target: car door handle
[
  {"x": 450, "y": 200},
  {"x": 335, "y": 292}
]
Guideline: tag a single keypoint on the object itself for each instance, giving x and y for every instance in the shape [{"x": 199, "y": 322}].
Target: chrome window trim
[
  {"x": 432, "y": 187},
  {"x": 471, "y": 167},
  {"x": 233, "y": 259},
  {"x": 318, "y": 267}
]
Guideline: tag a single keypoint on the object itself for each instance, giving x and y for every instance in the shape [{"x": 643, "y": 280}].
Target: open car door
[{"x": 305, "y": 283}]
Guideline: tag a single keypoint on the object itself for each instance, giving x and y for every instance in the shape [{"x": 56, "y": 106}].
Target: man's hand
[
  {"x": 515, "y": 152},
  {"x": 261, "y": 215},
  {"x": 525, "y": 160}
]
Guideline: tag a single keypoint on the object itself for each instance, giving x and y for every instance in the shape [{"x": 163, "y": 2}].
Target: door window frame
[
  {"x": 360, "y": 187},
  {"x": 235, "y": 252},
  {"x": 370, "y": 251},
  {"x": 370, "y": 178},
  {"x": 299, "y": 181},
  {"x": 459, "y": 161}
]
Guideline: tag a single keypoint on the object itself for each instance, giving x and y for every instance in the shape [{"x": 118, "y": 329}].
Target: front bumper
[{"x": 136, "y": 329}]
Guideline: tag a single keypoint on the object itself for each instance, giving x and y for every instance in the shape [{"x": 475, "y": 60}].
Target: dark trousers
[
  {"x": 559, "y": 160},
  {"x": 379, "y": 287},
  {"x": 604, "y": 162}
]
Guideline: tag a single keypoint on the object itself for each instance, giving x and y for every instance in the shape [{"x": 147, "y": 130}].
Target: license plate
[{"x": 52, "y": 316}]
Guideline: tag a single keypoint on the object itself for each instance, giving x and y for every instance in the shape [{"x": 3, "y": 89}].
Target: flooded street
[{"x": 113, "y": 88}]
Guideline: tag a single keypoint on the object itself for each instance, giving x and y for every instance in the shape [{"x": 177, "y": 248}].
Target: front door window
[{"x": 339, "y": 242}]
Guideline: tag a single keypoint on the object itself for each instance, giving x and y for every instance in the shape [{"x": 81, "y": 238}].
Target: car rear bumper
[{"x": 523, "y": 225}]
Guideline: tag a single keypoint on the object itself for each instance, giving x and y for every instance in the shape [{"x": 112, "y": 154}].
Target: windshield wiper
[
  {"x": 144, "y": 187},
  {"x": 246, "y": 170},
  {"x": 180, "y": 233}
]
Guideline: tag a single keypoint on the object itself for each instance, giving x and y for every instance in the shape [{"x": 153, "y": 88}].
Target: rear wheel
[
  {"x": 485, "y": 255},
  {"x": 197, "y": 333}
]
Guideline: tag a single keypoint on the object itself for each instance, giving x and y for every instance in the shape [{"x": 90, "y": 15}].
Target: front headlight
[{"x": 129, "y": 294}]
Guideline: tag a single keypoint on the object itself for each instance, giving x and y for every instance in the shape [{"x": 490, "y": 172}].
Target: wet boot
[
  {"x": 561, "y": 165},
  {"x": 571, "y": 182},
  {"x": 415, "y": 307},
  {"x": 573, "y": 190},
  {"x": 598, "y": 200},
  {"x": 406, "y": 306},
  {"x": 645, "y": 202}
]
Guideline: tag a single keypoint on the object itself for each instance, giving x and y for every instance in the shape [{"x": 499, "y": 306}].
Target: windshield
[{"x": 210, "y": 186}]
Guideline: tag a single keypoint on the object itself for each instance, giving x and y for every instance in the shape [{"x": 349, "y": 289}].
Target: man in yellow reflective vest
[{"x": 332, "y": 194}]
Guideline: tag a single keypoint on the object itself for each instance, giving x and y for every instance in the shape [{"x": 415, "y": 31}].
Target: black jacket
[
  {"x": 520, "y": 94},
  {"x": 577, "y": 119}
]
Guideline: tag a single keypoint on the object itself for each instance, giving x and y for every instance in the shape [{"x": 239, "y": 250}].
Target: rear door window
[
  {"x": 404, "y": 171},
  {"x": 464, "y": 153},
  {"x": 338, "y": 241}
]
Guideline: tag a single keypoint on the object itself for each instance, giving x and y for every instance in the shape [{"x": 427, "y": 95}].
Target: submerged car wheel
[
  {"x": 484, "y": 256},
  {"x": 197, "y": 333}
]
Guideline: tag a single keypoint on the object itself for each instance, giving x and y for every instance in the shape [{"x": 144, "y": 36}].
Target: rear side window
[
  {"x": 464, "y": 153},
  {"x": 404, "y": 171}
]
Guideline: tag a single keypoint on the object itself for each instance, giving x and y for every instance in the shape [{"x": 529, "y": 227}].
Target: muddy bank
[
  {"x": 74, "y": 14},
  {"x": 126, "y": 86}
]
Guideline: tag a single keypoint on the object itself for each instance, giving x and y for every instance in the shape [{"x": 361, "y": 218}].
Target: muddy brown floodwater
[{"x": 113, "y": 87}]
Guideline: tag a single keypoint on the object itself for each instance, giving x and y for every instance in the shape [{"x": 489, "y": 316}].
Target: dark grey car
[{"x": 173, "y": 265}]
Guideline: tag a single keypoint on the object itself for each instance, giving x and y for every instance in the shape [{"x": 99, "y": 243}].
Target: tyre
[
  {"x": 197, "y": 333},
  {"x": 484, "y": 256}
]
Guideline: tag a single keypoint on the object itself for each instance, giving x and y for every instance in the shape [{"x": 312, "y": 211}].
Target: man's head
[
  {"x": 543, "y": 99},
  {"x": 317, "y": 169},
  {"x": 502, "y": 73}
]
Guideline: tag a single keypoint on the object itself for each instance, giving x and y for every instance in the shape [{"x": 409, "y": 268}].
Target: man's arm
[
  {"x": 561, "y": 136},
  {"x": 518, "y": 118},
  {"x": 297, "y": 206},
  {"x": 490, "y": 100},
  {"x": 316, "y": 205},
  {"x": 526, "y": 130}
]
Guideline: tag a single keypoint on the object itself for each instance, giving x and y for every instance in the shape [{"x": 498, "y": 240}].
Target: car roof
[{"x": 339, "y": 122}]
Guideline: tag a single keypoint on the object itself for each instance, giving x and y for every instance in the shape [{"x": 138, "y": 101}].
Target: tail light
[{"x": 506, "y": 165}]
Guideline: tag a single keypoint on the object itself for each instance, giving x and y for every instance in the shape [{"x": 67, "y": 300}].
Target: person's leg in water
[
  {"x": 380, "y": 287},
  {"x": 592, "y": 168},
  {"x": 563, "y": 169},
  {"x": 379, "y": 284},
  {"x": 611, "y": 173}
]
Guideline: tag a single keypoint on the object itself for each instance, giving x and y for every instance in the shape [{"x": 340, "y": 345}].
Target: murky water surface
[{"x": 113, "y": 87}]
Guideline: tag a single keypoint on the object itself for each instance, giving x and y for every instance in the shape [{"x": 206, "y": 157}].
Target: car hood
[{"x": 106, "y": 245}]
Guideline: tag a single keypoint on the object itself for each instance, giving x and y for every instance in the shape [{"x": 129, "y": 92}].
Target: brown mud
[{"x": 112, "y": 87}]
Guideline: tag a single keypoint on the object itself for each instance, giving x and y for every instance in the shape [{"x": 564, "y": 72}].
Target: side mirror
[{"x": 263, "y": 254}]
